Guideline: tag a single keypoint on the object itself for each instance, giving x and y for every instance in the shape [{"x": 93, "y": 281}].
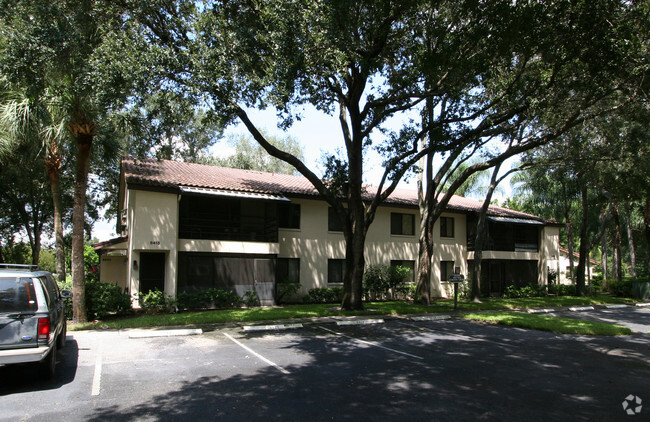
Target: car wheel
[
  {"x": 60, "y": 340},
  {"x": 47, "y": 366}
]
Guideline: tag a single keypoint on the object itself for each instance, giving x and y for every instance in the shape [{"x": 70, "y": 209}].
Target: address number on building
[{"x": 154, "y": 242}]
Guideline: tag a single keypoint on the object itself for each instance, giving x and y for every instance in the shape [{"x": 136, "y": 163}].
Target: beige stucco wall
[
  {"x": 549, "y": 253},
  {"x": 314, "y": 244},
  {"x": 153, "y": 227},
  {"x": 222, "y": 246},
  {"x": 113, "y": 269}
]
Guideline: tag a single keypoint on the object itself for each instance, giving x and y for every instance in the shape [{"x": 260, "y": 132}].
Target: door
[
  {"x": 152, "y": 271},
  {"x": 496, "y": 274},
  {"x": 265, "y": 281}
]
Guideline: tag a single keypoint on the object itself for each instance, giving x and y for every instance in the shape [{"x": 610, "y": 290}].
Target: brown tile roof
[{"x": 173, "y": 174}]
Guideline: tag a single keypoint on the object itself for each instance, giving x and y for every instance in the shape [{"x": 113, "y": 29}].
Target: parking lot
[{"x": 400, "y": 369}]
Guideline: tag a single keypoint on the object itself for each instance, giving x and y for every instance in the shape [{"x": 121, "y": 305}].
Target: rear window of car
[{"x": 17, "y": 294}]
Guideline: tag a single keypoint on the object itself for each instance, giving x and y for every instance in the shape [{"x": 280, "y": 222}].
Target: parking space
[{"x": 400, "y": 369}]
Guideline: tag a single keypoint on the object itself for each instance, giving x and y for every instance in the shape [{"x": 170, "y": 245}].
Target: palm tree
[{"x": 37, "y": 122}]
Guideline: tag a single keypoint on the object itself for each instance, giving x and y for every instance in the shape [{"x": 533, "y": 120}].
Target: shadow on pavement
[{"x": 25, "y": 378}]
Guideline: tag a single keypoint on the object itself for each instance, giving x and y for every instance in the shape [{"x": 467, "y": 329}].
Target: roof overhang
[
  {"x": 232, "y": 193},
  {"x": 510, "y": 220}
]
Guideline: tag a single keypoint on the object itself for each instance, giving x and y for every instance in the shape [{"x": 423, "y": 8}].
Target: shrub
[
  {"x": 621, "y": 288},
  {"x": 102, "y": 299},
  {"x": 250, "y": 298},
  {"x": 464, "y": 289},
  {"x": 532, "y": 290},
  {"x": 324, "y": 295},
  {"x": 210, "y": 298},
  {"x": 156, "y": 301},
  {"x": 384, "y": 282},
  {"x": 67, "y": 303},
  {"x": 286, "y": 291},
  {"x": 563, "y": 290},
  {"x": 405, "y": 291}
]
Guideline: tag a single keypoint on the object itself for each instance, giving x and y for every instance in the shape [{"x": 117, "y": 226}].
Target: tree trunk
[
  {"x": 605, "y": 215},
  {"x": 353, "y": 280},
  {"x": 569, "y": 235},
  {"x": 425, "y": 242},
  {"x": 426, "y": 203},
  {"x": 582, "y": 259},
  {"x": 53, "y": 166},
  {"x": 425, "y": 253},
  {"x": 84, "y": 147},
  {"x": 618, "y": 264},
  {"x": 630, "y": 239},
  {"x": 646, "y": 223}
]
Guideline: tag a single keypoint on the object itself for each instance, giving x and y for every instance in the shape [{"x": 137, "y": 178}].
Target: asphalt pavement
[{"x": 363, "y": 369}]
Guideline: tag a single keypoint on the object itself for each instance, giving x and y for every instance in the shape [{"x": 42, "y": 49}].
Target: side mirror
[{"x": 66, "y": 294}]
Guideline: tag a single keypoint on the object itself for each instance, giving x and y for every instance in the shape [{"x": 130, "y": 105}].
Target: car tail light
[{"x": 44, "y": 329}]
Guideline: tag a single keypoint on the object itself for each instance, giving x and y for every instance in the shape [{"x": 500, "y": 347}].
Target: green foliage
[
  {"x": 563, "y": 290},
  {"x": 104, "y": 299},
  {"x": 324, "y": 295},
  {"x": 249, "y": 155},
  {"x": 465, "y": 289},
  {"x": 512, "y": 292},
  {"x": 156, "y": 301},
  {"x": 47, "y": 260},
  {"x": 17, "y": 253},
  {"x": 208, "y": 299},
  {"x": 250, "y": 299},
  {"x": 384, "y": 282},
  {"x": 91, "y": 263},
  {"x": 286, "y": 291},
  {"x": 621, "y": 288},
  {"x": 67, "y": 303}
]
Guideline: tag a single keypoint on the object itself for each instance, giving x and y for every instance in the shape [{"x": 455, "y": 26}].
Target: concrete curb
[
  {"x": 276, "y": 327},
  {"x": 430, "y": 318},
  {"x": 581, "y": 308},
  {"x": 360, "y": 321},
  {"x": 165, "y": 333},
  {"x": 541, "y": 311}
]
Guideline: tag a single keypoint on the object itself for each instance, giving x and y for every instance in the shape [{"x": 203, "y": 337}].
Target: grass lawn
[
  {"x": 324, "y": 310},
  {"x": 549, "y": 323}
]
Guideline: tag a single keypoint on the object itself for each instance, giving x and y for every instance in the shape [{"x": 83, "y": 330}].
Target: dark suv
[{"x": 32, "y": 320}]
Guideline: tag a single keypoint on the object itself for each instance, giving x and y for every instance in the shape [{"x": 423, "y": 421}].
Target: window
[
  {"x": 289, "y": 216},
  {"x": 446, "y": 227},
  {"x": 17, "y": 295},
  {"x": 446, "y": 269},
  {"x": 225, "y": 218},
  {"x": 403, "y": 224},
  {"x": 404, "y": 263},
  {"x": 288, "y": 270},
  {"x": 335, "y": 270},
  {"x": 333, "y": 222}
]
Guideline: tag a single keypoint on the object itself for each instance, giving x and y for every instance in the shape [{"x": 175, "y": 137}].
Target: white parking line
[
  {"x": 371, "y": 343},
  {"x": 97, "y": 377},
  {"x": 260, "y": 357}
]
